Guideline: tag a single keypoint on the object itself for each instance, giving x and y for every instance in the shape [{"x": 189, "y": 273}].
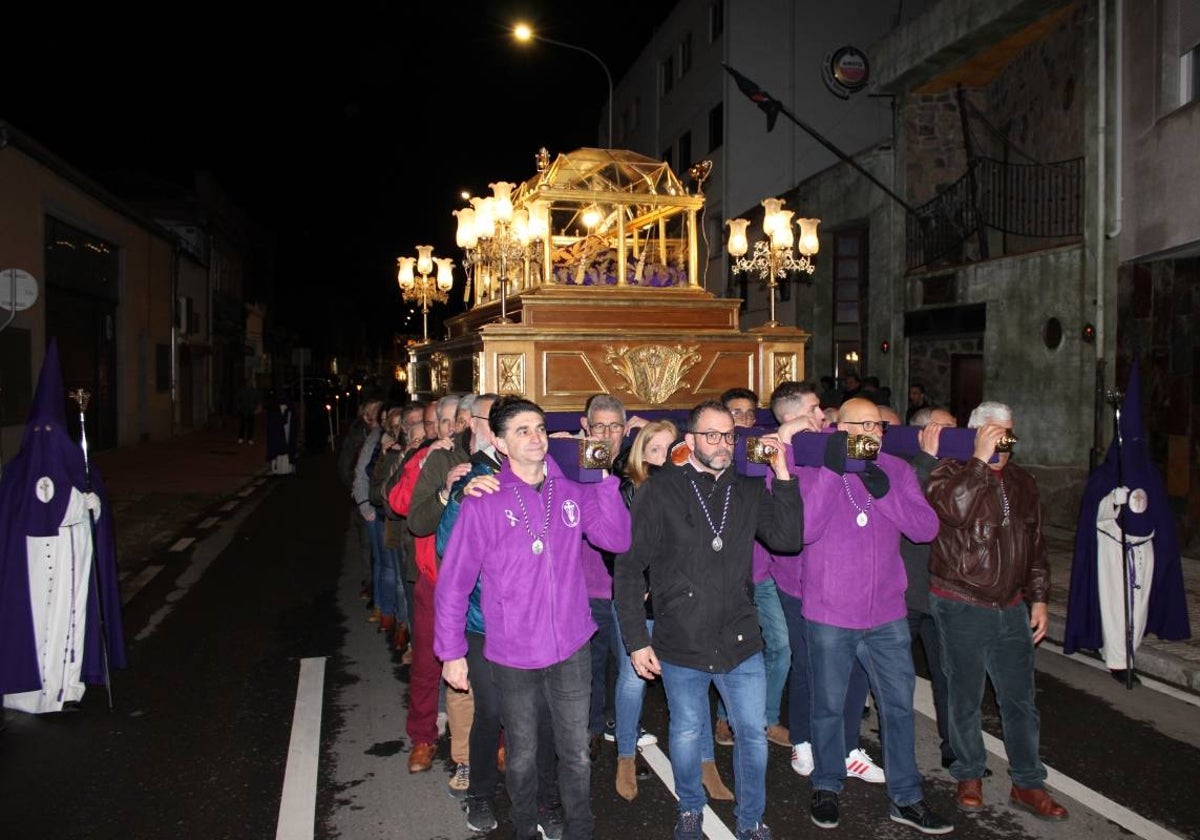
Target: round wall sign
[
  {"x": 850, "y": 68},
  {"x": 18, "y": 289}
]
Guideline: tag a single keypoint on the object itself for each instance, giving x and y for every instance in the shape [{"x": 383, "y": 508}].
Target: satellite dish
[{"x": 18, "y": 289}]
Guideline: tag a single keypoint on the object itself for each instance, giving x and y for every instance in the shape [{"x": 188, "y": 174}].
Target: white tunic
[
  {"x": 59, "y": 574},
  {"x": 1111, "y": 580}
]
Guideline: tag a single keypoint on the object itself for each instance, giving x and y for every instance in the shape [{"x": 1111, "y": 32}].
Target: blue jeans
[
  {"x": 385, "y": 571},
  {"x": 981, "y": 642},
  {"x": 922, "y": 626},
  {"x": 602, "y": 649},
  {"x": 744, "y": 689},
  {"x": 799, "y": 692},
  {"x": 631, "y": 691},
  {"x": 886, "y": 654},
  {"x": 777, "y": 654},
  {"x": 563, "y": 691}
]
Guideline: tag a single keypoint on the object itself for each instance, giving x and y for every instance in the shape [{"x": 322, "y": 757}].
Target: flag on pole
[{"x": 769, "y": 104}]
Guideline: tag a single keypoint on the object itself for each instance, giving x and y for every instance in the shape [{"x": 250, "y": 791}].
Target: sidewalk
[{"x": 157, "y": 489}]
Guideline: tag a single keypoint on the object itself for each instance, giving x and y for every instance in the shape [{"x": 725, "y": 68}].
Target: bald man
[{"x": 854, "y": 609}]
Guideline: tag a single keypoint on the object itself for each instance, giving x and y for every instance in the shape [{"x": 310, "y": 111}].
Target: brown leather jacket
[{"x": 975, "y": 556}]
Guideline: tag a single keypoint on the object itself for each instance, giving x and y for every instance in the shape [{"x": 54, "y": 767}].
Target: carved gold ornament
[
  {"x": 439, "y": 370},
  {"x": 653, "y": 372},
  {"x": 785, "y": 368},
  {"x": 512, "y": 373}
]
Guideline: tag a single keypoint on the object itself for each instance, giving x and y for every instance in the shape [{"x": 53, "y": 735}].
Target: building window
[
  {"x": 667, "y": 68},
  {"x": 685, "y": 54},
  {"x": 1189, "y": 76},
  {"x": 849, "y": 277},
  {"x": 716, "y": 19},
  {"x": 716, "y": 126},
  {"x": 685, "y": 149}
]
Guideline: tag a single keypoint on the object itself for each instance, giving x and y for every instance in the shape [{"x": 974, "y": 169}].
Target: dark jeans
[
  {"x": 800, "y": 684},
  {"x": 563, "y": 693},
  {"x": 486, "y": 727},
  {"x": 921, "y": 626},
  {"x": 978, "y": 643},
  {"x": 602, "y": 649}
]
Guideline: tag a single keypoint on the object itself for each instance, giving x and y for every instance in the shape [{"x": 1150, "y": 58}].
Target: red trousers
[{"x": 425, "y": 675}]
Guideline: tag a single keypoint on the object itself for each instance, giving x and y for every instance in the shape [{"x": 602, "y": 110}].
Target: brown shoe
[
  {"x": 722, "y": 734},
  {"x": 970, "y": 796},
  {"x": 386, "y": 624},
  {"x": 400, "y": 637},
  {"x": 712, "y": 782},
  {"x": 627, "y": 787},
  {"x": 374, "y": 615},
  {"x": 1037, "y": 802},
  {"x": 421, "y": 757},
  {"x": 777, "y": 734}
]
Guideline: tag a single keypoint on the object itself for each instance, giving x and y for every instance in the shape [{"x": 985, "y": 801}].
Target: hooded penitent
[{"x": 1127, "y": 465}]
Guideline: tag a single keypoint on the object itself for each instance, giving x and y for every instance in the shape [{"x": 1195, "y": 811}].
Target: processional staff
[{"x": 81, "y": 397}]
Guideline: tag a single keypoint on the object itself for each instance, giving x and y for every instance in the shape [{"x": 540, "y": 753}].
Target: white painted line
[
  {"x": 714, "y": 829},
  {"x": 298, "y": 805},
  {"x": 246, "y": 491},
  {"x": 1102, "y": 805},
  {"x": 228, "y": 506},
  {"x": 208, "y": 523},
  {"x": 1148, "y": 682},
  {"x": 139, "y": 581},
  {"x": 182, "y": 543}
]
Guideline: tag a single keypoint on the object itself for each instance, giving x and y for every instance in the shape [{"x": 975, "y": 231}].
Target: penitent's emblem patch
[
  {"x": 44, "y": 489},
  {"x": 570, "y": 513}
]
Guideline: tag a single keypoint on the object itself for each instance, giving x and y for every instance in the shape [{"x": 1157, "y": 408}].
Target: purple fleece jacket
[
  {"x": 535, "y": 606},
  {"x": 854, "y": 576}
]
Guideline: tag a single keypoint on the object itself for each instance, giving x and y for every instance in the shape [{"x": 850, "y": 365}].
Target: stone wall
[{"x": 929, "y": 361}]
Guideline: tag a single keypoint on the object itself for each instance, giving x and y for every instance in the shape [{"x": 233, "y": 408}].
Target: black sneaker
[
  {"x": 550, "y": 823},
  {"x": 825, "y": 809},
  {"x": 921, "y": 818},
  {"x": 479, "y": 814}
]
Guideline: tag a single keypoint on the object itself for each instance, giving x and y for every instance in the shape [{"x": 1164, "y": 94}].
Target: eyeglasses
[
  {"x": 478, "y": 417},
  {"x": 605, "y": 428},
  {"x": 716, "y": 437},
  {"x": 868, "y": 425}
]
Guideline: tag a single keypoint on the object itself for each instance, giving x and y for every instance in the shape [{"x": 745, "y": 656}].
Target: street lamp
[
  {"x": 493, "y": 233},
  {"x": 524, "y": 33},
  {"x": 425, "y": 289},
  {"x": 773, "y": 257}
]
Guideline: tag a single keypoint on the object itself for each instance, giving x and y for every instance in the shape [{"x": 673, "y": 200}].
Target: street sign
[{"x": 18, "y": 289}]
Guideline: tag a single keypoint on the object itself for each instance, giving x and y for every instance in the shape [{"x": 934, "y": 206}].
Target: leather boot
[
  {"x": 400, "y": 637},
  {"x": 627, "y": 786},
  {"x": 1038, "y": 802},
  {"x": 712, "y": 782}
]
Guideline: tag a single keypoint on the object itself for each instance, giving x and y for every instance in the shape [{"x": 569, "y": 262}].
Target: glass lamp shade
[
  {"x": 737, "y": 245},
  {"x": 539, "y": 220},
  {"x": 771, "y": 209},
  {"x": 591, "y": 216},
  {"x": 424, "y": 260},
  {"x": 809, "y": 243},
  {"x": 782, "y": 236},
  {"x": 445, "y": 273},
  {"x": 465, "y": 235},
  {"x": 502, "y": 208},
  {"x": 405, "y": 275},
  {"x": 485, "y": 222},
  {"x": 520, "y": 225}
]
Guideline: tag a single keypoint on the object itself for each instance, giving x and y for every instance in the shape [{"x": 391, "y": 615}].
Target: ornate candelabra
[
  {"x": 425, "y": 289},
  {"x": 773, "y": 258},
  {"x": 494, "y": 235}
]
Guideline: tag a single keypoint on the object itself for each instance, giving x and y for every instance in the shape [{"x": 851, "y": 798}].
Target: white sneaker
[
  {"x": 645, "y": 738},
  {"x": 441, "y": 723},
  {"x": 860, "y": 766},
  {"x": 802, "y": 759}
]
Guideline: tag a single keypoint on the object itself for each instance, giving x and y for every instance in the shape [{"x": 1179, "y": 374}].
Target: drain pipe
[
  {"x": 1118, "y": 187},
  {"x": 1099, "y": 240}
]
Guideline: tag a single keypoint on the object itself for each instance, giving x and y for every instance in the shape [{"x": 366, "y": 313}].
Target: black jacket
[{"x": 705, "y": 617}]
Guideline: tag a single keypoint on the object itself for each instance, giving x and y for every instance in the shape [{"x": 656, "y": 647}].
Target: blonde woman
[{"x": 648, "y": 452}]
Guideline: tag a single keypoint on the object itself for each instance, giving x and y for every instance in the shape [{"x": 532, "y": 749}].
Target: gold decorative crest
[
  {"x": 785, "y": 368},
  {"x": 439, "y": 372},
  {"x": 653, "y": 372},
  {"x": 512, "y": 373}
]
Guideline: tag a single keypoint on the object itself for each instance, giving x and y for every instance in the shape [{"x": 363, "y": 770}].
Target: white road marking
[
  {"x": 135, "y": 585},
  {"x": 246, "y": 491},
  {"x": 1148, "y": 682},
  {"x": 298, "y": 804},
  {"x": 182, "y": 543},
  {"x": 208, "y": 523},
  {"x": 1102, "y": 805},
  {"x": 714, "y": 829},
  {"x": 228, "y": 506}
]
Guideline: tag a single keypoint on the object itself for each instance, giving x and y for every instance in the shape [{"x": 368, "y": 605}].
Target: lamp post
[
  {"x": 493, "y": 233},
  {"x": 524, "y": 33},
  {"x": 425, "y": 289},
  {"x": 773, "y": 257}
]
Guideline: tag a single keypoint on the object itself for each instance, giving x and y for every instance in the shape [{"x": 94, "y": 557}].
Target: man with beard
[{"x": 694, "y": 529}]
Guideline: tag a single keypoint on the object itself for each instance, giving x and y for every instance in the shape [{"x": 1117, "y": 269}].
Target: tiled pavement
[{"x": 158, "y": 490}]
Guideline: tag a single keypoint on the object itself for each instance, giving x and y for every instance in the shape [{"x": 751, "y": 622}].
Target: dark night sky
[{"x": 349, "y": 128}]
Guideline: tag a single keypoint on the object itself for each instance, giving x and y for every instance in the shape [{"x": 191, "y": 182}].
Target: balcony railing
[{"x": 1041, "y": 201}]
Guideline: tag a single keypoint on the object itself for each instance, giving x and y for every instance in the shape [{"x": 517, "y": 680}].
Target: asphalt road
[{"x": 204, "y": 729}]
